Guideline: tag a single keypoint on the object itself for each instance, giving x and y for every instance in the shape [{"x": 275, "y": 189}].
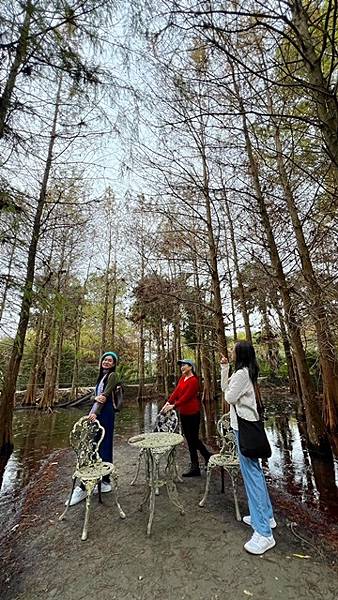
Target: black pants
[{"x": 190, "y": 427}]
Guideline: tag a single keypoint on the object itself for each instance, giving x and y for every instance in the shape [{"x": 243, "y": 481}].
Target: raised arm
[
  {"x": 225, "y": 376},
  {"x": 236, "y": 386}
]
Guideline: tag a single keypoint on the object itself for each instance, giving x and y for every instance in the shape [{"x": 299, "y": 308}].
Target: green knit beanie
[{"x": 113, "y": 354}]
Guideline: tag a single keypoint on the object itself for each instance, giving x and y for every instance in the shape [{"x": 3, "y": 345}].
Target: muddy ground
[{"x": 198, "y": 556}]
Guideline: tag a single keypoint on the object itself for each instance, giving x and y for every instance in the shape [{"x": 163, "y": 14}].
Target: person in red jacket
[{"x": 185, "y": 399}]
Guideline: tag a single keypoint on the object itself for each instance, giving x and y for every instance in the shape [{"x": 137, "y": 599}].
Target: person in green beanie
[{"x": 104, "y": 411}]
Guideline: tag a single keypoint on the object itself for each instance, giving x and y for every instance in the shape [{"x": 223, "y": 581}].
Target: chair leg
[
  {"x": 115, "y": 493},
  {"x": 157, "y": 476},
  {"x": 151, "y": 483},
  {"x": 151, "y": 509},
  {"x": 178, "y": 477},
  {"x": 222, "y": 480},
  {"x": 203, "y": 501},
  {"x": 238, "y": 514},
  {"x": 89, "y": 489},
  {"x": 99, "y": 487},
  {"x": 67, "y": 505},
  {"x": 148, "y": 467},
  {"x": 137, "y": 468}
]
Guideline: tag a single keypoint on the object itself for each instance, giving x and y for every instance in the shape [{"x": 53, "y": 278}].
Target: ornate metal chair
[
  {"x": 164, "y": 423},
  {"x": 226, "y": 459},
  {"x": 85, "y": 439}
]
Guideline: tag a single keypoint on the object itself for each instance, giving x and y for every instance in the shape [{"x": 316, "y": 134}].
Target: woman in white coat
[{"x": 242, "y": 393}]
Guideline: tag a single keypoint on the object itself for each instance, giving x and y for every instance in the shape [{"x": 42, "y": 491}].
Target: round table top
[{"x": 156, "y": 440}]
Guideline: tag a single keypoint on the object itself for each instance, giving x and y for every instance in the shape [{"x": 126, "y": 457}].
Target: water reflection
[
  {"x": 35, "y": 436},
  {"x": 291, "y": 467},
  {"x": 301, "y": 473},
  {"x": 150, "y": 413}
]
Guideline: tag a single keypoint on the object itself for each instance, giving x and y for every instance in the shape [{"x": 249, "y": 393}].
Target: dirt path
[{"x": 198, "y": 556}]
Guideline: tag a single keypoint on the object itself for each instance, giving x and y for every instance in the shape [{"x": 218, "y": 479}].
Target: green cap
[{"x": 113, "y": 354}]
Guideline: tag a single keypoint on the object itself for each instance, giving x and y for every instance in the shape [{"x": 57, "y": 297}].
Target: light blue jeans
[{"x": 257, "y": 493}]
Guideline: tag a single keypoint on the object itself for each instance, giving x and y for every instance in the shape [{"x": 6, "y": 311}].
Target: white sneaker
[
  {"x": 105, "y": 487},
  {"x": 247, "y": 521},
  {"x": 78, "y": 495},
  {"x": 259, "y": 544}
]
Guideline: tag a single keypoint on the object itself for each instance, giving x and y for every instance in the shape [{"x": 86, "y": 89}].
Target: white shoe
[
  {"x": 105, "y": 487},
  {"x": 259, "y": 544},
  {"x": 247, "y": 521},
  {"x": 78, "y": 495}
]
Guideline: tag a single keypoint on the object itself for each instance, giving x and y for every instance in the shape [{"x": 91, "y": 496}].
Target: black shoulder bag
[{"x": 253, "y": 441}]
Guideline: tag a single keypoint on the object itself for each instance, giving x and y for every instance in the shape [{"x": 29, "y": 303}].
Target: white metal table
[{"x": 165, "y": 444}]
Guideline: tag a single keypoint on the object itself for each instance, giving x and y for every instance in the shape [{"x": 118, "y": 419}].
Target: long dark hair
[
  {"x": 101, "y": 373},
  {"x": 245, "y": 356}
]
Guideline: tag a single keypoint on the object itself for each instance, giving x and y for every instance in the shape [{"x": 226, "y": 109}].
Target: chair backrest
[
  {"x": 226, "y": 437},
  {"x": 166, "y": 422},
  {"x": 85, "y": 439}
]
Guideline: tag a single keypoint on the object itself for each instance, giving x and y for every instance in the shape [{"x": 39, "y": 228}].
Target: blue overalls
[{"x": 107, "y": 419}]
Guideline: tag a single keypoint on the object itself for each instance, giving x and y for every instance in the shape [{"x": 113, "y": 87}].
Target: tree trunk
[
  {"x": 31, "y": 392},
  {"x": 59, "y": 346},
  {"x": 324, "y": 98},
  {"x": 287, "y": 351},
  {"x": 48, "y": 393},
  {"x": 55, "y": 343},
  {"x": 44, "y": 341},
  {"x": 19, "y": 59},
  {"x": 231, "y": 288},
  {"x": 11, "y": 375},
  {"x": 150, "y": 353},
  {"x": 203, "y": 361},
  {"x": 314, "y": 421},
  {"x": 199, "y": 341},
  {"x": 77, "y": 345},
  {"x": 77, "y": 341},
  {"x": 218, "y": 308},
  {"x": 159, "y": 369},
  {"x": 241, "y": 290},
  {"x": 141, "y": 362},
  {"x": 8, "y": 278},
  {"x": 269, "y": 338},
  {"x": 326, "y": 344},
  {"x": 106, "y": 295},
  {"x": 178, "y": 346},
  {"x": 207, "y": 393},
  {"x": 113, "y": 308},
  {"x": 164, "y": 362}
]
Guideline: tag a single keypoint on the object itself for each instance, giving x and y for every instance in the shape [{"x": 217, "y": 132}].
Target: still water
[{"x": 291, "y": 467}]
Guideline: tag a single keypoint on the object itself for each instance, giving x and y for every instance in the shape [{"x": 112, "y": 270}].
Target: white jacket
[{"x": 239, "y": 390}]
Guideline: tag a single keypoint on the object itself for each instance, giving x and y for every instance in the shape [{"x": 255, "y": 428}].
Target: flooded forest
[{"x": 169, "y": 186}]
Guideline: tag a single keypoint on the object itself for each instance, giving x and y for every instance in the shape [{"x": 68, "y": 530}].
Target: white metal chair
[
  {"x": 85, "y": 439},
  {"x": 226, "y": 459}
]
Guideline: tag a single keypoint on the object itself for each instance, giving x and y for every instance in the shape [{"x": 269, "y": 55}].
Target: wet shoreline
[
  {"x": 293, "y": 472},
  {"x": 46, "y": 558}
]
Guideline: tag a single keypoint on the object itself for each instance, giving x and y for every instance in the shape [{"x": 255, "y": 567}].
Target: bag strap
[{"x": 259, "y": 401}]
